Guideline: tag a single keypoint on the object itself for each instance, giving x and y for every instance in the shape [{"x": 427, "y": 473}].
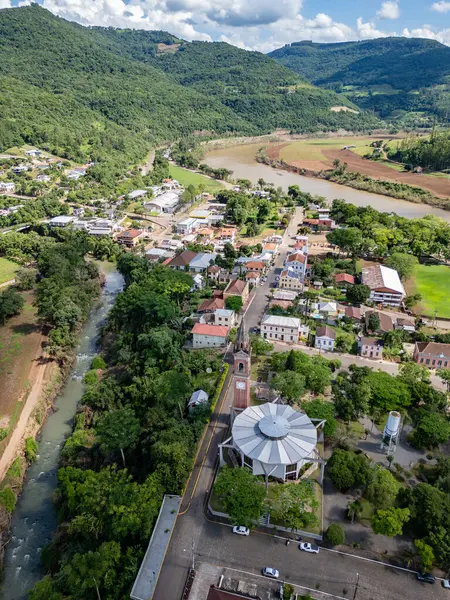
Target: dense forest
[
  {"x": 133, "y": 438},
  {"x": 432, "y": 154},
  {"x": 107, "y": 95},
  {"x": 391, "y": 76}
]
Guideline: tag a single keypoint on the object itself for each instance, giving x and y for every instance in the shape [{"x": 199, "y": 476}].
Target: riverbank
[
  {"x": 241, "y": 160},
  {"x": 34, "y": 519},
  {"x": 393, "y": 189}
]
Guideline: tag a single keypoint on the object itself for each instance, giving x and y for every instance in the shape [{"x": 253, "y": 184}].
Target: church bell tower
[{"x": 241, "y": 374}]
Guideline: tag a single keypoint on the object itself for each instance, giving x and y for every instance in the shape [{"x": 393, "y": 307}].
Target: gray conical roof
[{"x": 242, "y": 338}]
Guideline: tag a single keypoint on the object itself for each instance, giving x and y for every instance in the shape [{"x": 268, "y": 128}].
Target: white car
[
  {"x": 446, "y": 584},
  {"x": 270, "y": 572},
  {"x": 307, "y": 547},
  {"x": 241, "y": 530}
]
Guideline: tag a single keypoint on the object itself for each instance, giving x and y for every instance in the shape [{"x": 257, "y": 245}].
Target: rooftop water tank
[{"x": 393, "y": 424}]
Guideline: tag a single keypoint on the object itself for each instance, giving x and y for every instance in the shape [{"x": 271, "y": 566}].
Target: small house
[
  {"x": 325, "y": 338},
  {"x": 370, "y": 347},
  {"x": 198, "y": 398}
]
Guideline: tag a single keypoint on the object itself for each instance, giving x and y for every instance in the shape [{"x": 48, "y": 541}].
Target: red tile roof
[
  {"x": 211, "y": 304},
  {"x": 183, "y": 259},
  {"x": 235, "y": 287},
  {"x": 434, "y": 349},
  {"x": 296, "y": 257},
  {"x": 325, "y": 331},
  {"x": 252, "y": 275},
  {"x": 216, "y": 330},
  {"x": 255, "y": 264},
  {"x": 352, "y": 312},
  {"x": 344, "y": 278},
  {"x": 130, "y": 234}
]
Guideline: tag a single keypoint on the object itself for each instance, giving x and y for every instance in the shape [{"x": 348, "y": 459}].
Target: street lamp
[{"x": 356, "y": 586}]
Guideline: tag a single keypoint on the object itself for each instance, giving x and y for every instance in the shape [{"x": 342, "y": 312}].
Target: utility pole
[
  {"x": 193, "y": 555},
  {"x": 356, "y": 586}
]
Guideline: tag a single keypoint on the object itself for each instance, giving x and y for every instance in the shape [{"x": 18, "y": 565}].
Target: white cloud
[
  {"x": 368, "y": 31},
  {"x": 389, "y": 10},
  {"x": 5, "y": 3},
  {"x": 136, "y": 14},
  {"x": 426, "y": 31},
  {"x": 441, "y": 7}
]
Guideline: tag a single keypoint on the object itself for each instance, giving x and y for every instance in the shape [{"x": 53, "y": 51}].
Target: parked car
[
  {"x": 241, "y": 530},
  {"x": 307, "y": 547},
  {"x": 426, "y": 577},
  {"x": 270, "y": 572},
  {"x": 446, "y": 584}
]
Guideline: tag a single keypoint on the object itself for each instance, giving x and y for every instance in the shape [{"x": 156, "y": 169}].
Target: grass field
[
  {"x": 186, "y": 178},
  {"x": 312, "y": 149},
  {"x": 433, "y": 283},
  {"x": 7, "y": 270}
]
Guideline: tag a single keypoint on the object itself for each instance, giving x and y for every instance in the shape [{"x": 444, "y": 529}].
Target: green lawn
[
  {"x": 312, "y": 149},
  {"x": 186, "y": 178},
  {"x": 7, "y": 270},
  {"x": 433, "y": 284}
]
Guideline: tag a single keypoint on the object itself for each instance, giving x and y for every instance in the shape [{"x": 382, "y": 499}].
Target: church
[{"x": 271, "y": 439}]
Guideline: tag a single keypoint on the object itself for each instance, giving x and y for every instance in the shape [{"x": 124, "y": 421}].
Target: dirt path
[
  {"x": 5, "y": 283},
  {"x": 148, "y": 163},
  {"x": 37, "y": 376}
]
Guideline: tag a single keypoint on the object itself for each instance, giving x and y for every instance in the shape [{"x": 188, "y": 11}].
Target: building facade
[
  {"x": 325, "y": 338},
  {"x": 209, "y": 336},
  {"x": 281, "y": 329},
  {"x": 371, "y": 347},
  {"x": 432, "y": 355}
]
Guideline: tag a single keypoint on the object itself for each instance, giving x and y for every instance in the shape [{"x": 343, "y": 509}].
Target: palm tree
[{"x": 354, "y": 509}]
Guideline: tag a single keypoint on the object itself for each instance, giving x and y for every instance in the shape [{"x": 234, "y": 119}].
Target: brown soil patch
[
  {"x": 440, "y": 186},
  {"x": 436, "y": 185},
  {"x": 20, "y": 345}
]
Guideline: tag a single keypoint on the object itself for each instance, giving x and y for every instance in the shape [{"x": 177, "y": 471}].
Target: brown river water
[{"x": 241, "y": 160}]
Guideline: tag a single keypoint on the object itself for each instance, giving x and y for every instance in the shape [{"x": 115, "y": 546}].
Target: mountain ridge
[
  {"x": 103, "y": 93},
  {"x": 393, "y": 75}
]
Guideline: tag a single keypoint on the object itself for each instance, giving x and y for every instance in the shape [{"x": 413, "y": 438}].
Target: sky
[{"x": 263, "y": 24}]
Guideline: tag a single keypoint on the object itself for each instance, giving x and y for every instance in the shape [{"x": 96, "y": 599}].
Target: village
[{"x": 299, "y": 314}]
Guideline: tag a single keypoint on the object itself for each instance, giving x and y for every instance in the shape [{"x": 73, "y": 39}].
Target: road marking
[
  {"x": 282, "y": 581},
  {"x": 279, "y": 537},
  {"x": 225, "y": 392}
]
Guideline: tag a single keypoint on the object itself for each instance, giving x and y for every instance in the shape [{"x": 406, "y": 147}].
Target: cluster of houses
[
  {"x": 294, "y": 271},
  {"x": 97, "y": 226}
]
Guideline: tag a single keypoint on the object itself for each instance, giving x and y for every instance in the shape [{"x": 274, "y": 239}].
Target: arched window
[{"x": 241, "y": 367}]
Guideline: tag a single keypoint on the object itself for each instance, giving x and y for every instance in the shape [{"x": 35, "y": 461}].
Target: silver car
[{"x": 270, "y": 572}]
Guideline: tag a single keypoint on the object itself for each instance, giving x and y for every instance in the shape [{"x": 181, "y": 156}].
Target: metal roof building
[{"x": 274, "y": 440}]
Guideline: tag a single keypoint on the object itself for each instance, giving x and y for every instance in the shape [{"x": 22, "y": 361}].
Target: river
[
  {"x": 241, "y": 160},
  {"x": 34, "y": 519}
]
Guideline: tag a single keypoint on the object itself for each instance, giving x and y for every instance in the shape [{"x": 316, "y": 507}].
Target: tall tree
[
  {"x": 241, "y": 494},
  {"x": 118, "y": 429}
]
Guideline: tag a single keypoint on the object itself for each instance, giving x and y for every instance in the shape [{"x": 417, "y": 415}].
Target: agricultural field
[
  {"x": 7, "y": 270},
  {"x": 20, "y": 342},
  {"x": 186, "y": 178},
  {"x": 433, "y": 283},
  {"x": 318, "y": 154}
]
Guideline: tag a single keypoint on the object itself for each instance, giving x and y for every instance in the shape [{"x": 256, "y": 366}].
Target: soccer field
[{"x": 433, "y": 283}]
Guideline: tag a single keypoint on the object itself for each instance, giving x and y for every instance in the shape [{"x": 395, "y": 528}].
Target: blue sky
[{"x": 264, "y": 24}]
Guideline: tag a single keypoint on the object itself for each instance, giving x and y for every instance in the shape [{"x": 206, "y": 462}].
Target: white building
[
  {"x": 137, "y": 194},
  {"x": 198, "y": 398},
  {"x": 297, "y": 261},
  {"x": 370, "y": 347},
  {"x": 224, "y": 316},
  {"x": 385, "y": 285},
  {"x": 164, "y": 203},
  {"x": 273, "y": 440},
  {"x": 281, "y": 329},
  {"x": 7, "y": 187},
  {"x": 187, "y": 226},
  {"x": 201, "y": 262},
  {"x": 209, "y": 336},
  {"x": 62, "y": 221},
  {"x": 325, "y": 338}
]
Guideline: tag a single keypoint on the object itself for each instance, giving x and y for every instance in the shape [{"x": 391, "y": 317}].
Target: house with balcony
[{"x": 384, "y": 284}]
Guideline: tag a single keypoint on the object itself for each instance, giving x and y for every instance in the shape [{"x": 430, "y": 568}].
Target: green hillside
[
  {"x": 393, "y": 76},
  {"x": 103, "y": 93}
]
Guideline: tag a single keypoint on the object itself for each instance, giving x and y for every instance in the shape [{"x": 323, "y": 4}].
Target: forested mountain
[
  {"x": 95, "y": 93},
  {"x": 393, "y": 76}
]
